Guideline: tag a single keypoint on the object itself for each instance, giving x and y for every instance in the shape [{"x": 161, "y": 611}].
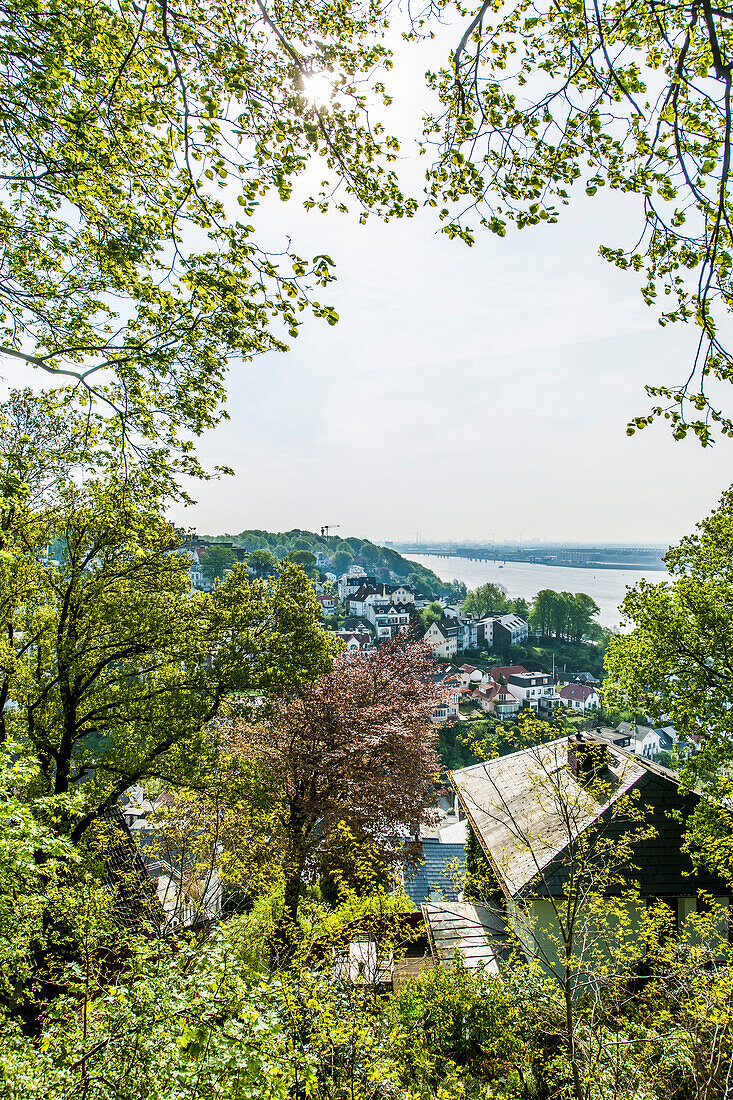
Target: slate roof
[
  {"x": 433, "y": 878},
  {"x": 518, "y": 806},
  {"x": 362, "y": 593},
  {"x": 511, "y": 621},
  {"x": 513, "y": 805}
]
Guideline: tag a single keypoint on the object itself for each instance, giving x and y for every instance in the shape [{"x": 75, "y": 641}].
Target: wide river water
[{"x": 606, "y": 586}]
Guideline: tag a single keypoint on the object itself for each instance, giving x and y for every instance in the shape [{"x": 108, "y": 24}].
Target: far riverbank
[{"x": 606, "y": 586}]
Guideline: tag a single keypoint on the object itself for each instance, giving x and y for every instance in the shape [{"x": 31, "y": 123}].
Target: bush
[{"x": 458, "y": 1027}]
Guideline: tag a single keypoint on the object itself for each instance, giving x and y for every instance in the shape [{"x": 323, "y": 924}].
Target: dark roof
[
  {"x": 355, "y": 624},
  {"x": 363, "y": 591},
  {"x": 433, "y": 878}
]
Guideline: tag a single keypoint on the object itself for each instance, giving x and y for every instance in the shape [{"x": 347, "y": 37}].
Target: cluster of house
[
  {"x": 382, "y": 610},
  {"x": 504, "y": 690},
  {"x": 454, "y": 632}
]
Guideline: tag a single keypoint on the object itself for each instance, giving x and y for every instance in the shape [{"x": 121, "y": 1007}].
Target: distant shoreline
[
  {"x": 556, "y": 564},
  {"x": 607, "y": 586}
]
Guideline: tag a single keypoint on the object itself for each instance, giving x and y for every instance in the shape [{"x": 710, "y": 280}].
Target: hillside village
[
  {"x": 368, "y": 609},
  {"x": 284, "y": 814}
]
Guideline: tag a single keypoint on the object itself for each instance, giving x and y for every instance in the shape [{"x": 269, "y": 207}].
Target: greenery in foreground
[{"x": 114, "y": 672}]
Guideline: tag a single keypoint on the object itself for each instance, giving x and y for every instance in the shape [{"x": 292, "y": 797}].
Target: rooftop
[
  {"x": 437, "y": 876},
  {"x": 470, "y": 931},
  {"x": 525, "y": 807}
]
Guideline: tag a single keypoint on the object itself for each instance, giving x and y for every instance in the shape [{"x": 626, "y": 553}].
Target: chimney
[{"x": 586, "y": 759}]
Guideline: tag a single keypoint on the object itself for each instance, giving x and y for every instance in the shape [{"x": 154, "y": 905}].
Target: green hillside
[{"x": 343, "y": 552}]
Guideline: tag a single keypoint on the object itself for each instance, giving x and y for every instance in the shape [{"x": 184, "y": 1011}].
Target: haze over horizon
[
  {"x": 468, "y": 394},
  {"x": 465, "y": 393}
]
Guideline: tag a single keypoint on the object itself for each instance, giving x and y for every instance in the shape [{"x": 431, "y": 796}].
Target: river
[{"x": 606, "y": 586}]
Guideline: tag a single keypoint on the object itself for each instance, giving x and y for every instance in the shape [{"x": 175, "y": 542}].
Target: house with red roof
[
  {"x": 496, "y": 699},
  {"x": 579, "y": 697}
]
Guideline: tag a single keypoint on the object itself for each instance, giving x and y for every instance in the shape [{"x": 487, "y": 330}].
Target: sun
[{"x": 318, "y": 89}]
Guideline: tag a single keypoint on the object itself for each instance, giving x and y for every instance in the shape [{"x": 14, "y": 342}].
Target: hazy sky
[{"x": 465, "y": 393}]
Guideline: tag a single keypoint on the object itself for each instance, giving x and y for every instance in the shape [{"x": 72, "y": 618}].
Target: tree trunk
[
  {"x": 286, "y": 934},
  {"x": 570, "y": 1037}
]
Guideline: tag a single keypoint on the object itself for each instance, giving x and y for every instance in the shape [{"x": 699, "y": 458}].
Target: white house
[
  {"x": 644, "y": 739},
  {"x": 443, "y": 637},
  {"x": 579, "y": 697},
  {"x": 469, "y": 676},
  {"x": 485, "y": 631},
  {"x": 401, "y": 593},
  {"x": 449, "y": 708},
  {"x": 351, "y": 581},
  {"x": 355, "y": 641},
  {"x": 468, "y": 633},
  {"x": 388, "y": 621},
  {"x": 533, "y": 689}
]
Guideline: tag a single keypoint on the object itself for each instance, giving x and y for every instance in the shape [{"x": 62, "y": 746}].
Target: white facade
[
  {"x": 485, "y": 632},
  {"x": 351, "y": 582},
  {"x": 443, "y": 645},
  {"x": 533, "y": 689},
  {"x": 515, "y": 626},
  {"x": 447, "y": 709},
  {"x": 579, "y": 697}
]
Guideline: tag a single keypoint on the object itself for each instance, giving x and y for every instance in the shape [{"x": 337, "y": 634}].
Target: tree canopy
[
  {"x": 111, "y": 666},
  {"x": 566, "y": 615},
  {"x": 674, "y": 665},
  {"x": 485, "y": 599},
  {"x": 537, "y": 100},
  {"x": 351, "y": 753},
  {"x": 216, "y": 560},
  {"x": 138, "y": 145}
]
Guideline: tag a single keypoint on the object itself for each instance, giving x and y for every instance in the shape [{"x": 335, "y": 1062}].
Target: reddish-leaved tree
[{"x": 353, "y": 751}]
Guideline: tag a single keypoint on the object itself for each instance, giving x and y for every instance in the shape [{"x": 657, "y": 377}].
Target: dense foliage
[
  {"x": 342, "y": 553},
  {"x": 674, "y": 663},
  {"x": 138, "y": 145}
]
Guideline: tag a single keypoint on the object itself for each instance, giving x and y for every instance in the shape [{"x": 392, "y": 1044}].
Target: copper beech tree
[{"x": 351, "y": 753}]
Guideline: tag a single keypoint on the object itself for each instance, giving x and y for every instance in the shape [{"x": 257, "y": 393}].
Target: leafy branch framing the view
[
  {"x": 633, "y": 95},
  {"x": 122, "y": 268}
]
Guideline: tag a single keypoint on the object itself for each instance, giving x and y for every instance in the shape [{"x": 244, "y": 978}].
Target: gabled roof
[
  {"x": 506, "y": 670},
  {"x": 510, "y": 621},
  {"x": 347, "y": 635},
  {"x": 579, "y": 692},
  {"x": 363, "y": 591},
  {"x": 519, "y": 805},
  {"x": 487, "y": 691}
]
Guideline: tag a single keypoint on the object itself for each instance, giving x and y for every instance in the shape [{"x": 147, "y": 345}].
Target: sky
[
  {"x": 465, "y": 394},
  {"x": 474, "y": 394}
]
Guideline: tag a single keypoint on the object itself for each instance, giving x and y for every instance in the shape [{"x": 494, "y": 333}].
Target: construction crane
[{"x": 328, "y": 527}]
